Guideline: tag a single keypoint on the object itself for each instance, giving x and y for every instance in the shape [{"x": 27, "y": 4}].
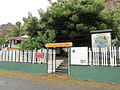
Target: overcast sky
[{"x": 14, "y": 10}]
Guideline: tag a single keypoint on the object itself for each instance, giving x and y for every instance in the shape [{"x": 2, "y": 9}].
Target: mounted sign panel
[
  {"x": 38, "y": 55},
  {"x": 101, "y": 38},
  {"x": 66, "y": 44},
  {"x": 79, "y": 55}
]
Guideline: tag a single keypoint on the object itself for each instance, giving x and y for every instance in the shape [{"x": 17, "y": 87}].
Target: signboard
[
  {"x": 79, "y": 55},
  {"x": 66, "y": 44},
  {"x": 38, "y": 55},
  {"x": 101, "y": 40}
]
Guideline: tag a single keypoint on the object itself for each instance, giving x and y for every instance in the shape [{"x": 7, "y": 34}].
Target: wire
[{"x": 74, "y": 35}]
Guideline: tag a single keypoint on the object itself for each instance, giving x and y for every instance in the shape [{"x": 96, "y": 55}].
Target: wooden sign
[
  {"x": 66, "y": 44},
  {"x": 38, "y": 55}
]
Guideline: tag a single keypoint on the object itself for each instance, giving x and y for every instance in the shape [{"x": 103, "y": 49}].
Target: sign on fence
[
  {"x": 38, "y": 55},
  {"x": 79, "y": 55},
  {"x": 26, "y": 56}
]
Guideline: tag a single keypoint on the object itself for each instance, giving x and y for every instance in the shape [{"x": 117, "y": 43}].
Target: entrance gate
[
  {"x": 59, "y": 63},
  {"x": 62, "y": 61}
]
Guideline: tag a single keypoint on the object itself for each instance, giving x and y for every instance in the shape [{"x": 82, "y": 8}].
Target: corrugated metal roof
[{"x": 19, "y": 38}]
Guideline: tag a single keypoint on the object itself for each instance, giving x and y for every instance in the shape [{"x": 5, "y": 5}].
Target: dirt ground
[{"x": 60, "y": 81}]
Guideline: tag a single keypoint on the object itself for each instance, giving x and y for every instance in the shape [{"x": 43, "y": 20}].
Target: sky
[{"x": 12, "y": 11}]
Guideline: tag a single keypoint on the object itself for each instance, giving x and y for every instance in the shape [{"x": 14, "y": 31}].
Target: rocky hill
[
  {"x": 5, "y": 29},
  {"x": 112, "y": 4}
]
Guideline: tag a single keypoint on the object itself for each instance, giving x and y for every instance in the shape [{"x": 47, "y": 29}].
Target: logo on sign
[{"x": 83, "y": 61}]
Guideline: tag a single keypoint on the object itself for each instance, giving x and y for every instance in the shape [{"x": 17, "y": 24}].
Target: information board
[
  {"x": 79, "y": 55},
  {"x": 101, "y": 40}
]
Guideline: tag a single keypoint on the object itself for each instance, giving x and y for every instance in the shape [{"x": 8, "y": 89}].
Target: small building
[{"x": 12, "y": 43}]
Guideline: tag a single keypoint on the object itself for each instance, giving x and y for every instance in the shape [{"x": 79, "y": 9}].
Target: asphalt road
[{"x": 14, "y": 84}]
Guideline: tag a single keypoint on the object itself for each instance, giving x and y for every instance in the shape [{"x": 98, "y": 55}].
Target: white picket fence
[
  {"x": 28, "y": 56},
  {"x": 21, "y": 56},
  {"x": 104, "y": 56},
  {"x": 96, "y": 56}
]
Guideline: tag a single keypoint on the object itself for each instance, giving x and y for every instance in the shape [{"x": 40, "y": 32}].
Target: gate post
[
  {"x": 54, "y": 60},
  {"x": 69, "y": 60}
]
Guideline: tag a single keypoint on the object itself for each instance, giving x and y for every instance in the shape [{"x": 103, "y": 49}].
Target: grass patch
[{"x": 59, "y": 80}]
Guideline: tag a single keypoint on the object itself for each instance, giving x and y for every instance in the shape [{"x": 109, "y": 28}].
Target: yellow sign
[{"x": 66, "y": 44}]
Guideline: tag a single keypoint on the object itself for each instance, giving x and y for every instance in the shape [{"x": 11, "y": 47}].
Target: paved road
[{"x": 14, "y": 84}]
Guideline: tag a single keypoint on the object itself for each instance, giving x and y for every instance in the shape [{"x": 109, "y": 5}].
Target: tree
[
  {"x": 2, "y": 41},
  {"x": 17, "y": 30},
  {"x": 39, "y": 41},
  {"x": 39, "y": 33},
  {"x": 116, "y": 19},
  {"x": 74, "y": 19},
  {"x": 31, "y": 25}
]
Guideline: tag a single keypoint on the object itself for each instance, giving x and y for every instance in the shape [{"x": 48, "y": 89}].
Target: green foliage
[
  {"x": 116, "y": 19},
  {"x": 2, "y": 41},
  {"x": 31, "y": 25},
  {"x": 39, "y": 41},
  {"x": 117, "y": 43},
  {"x": 74, "y": 19},
  {"x": 16, "y": 31},
  {"x": 68, "y": 20}
]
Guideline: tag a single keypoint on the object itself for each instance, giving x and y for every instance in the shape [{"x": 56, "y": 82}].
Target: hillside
[
  {"x": 112, "y": 4},
  {"x": 5, "y": 29}
]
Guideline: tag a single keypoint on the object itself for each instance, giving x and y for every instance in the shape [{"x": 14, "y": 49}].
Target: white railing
[
  {"x": 104, "y": 56},
  {"x": 27, "y": 56}
]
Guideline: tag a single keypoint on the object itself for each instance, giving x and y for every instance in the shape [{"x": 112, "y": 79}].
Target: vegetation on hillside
[{"x": 5, "y": 29}]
